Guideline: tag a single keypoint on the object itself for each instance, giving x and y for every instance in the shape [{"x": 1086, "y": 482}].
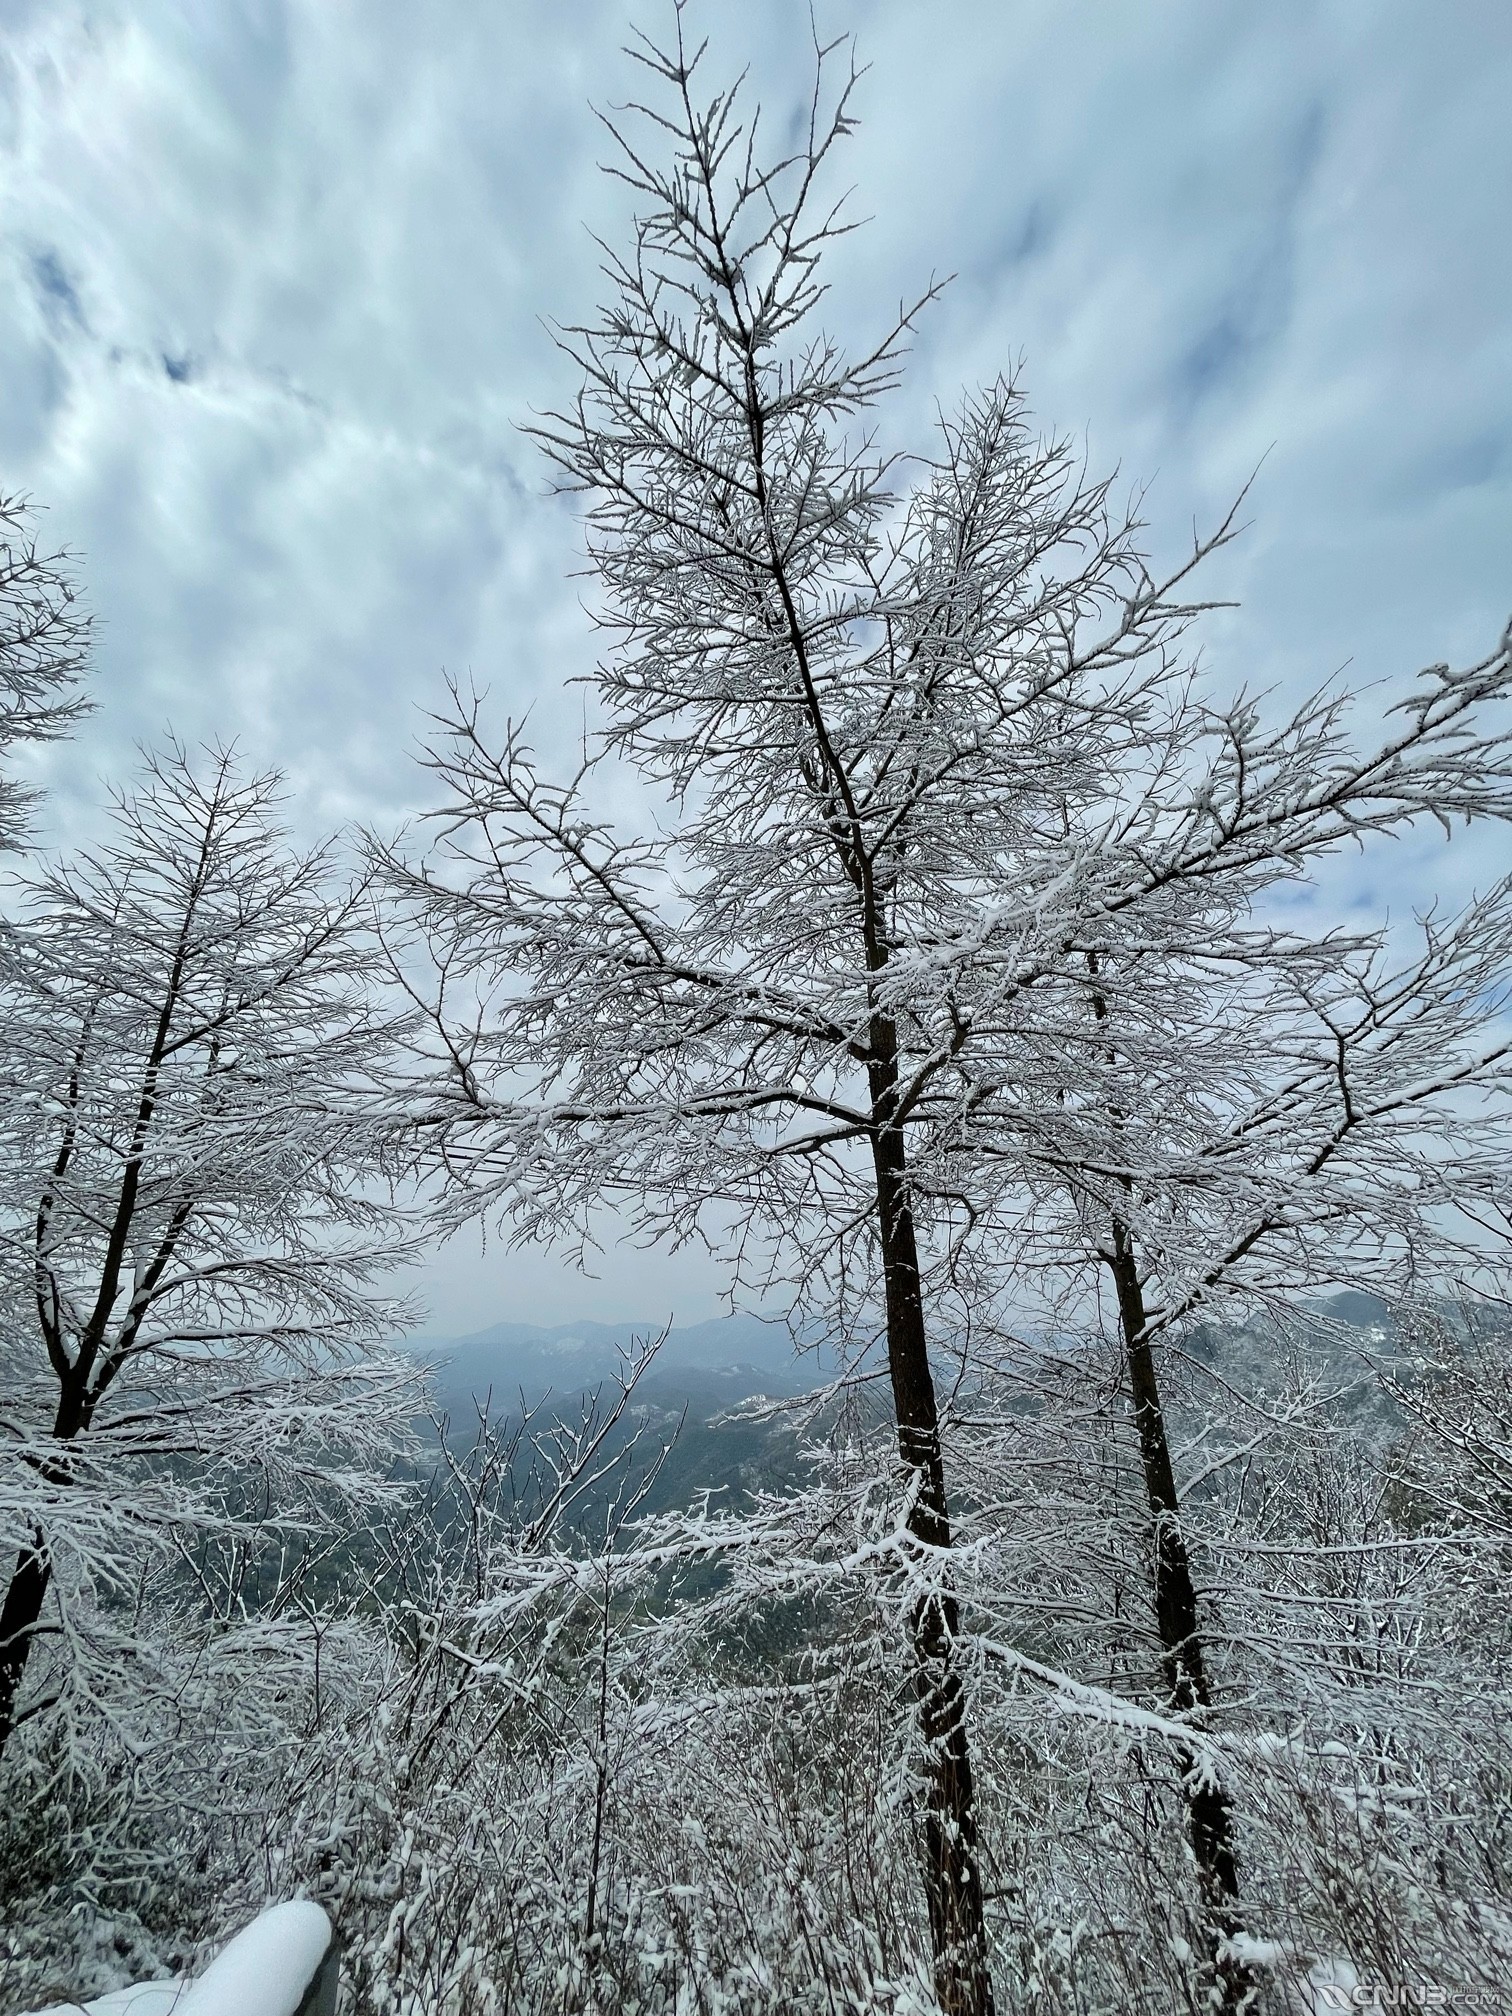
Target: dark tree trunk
[
  {"x": 952, "y": 1875},
  {"x": 30, "y": 1579},
  {"x": 18, "y": 1622},
  {"x": 1210, "y": 1819}
]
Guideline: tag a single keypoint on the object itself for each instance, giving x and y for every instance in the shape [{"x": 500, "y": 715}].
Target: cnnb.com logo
[{"x": 1408, "y": 1995}]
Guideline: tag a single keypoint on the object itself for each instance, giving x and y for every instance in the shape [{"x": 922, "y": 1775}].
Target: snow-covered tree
[
  {"x": 191, "y": 1230},
  {"x": 940, "y": 778},
  {"x": 44, "y": 650},
  {"x": 1249, "y": 1117}
]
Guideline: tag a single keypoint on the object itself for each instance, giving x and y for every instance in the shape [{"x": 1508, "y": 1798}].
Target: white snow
[
  {"x": 264, "y": 1971},
  {"x": 146, "y": 1998}
]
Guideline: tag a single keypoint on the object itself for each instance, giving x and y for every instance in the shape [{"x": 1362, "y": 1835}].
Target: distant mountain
[
  {"x": 702, "y": 1372},
  {"x": 715, "y": 1364},
  {"x": 680, "y": 1417},
  {"x": 711, "y": 1365}
]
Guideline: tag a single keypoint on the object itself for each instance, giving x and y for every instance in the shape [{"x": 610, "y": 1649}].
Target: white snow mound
[{"x": 265, "y": 1970}]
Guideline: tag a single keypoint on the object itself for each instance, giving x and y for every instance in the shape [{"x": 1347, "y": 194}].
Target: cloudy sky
[{"x": 275, "y": 273}]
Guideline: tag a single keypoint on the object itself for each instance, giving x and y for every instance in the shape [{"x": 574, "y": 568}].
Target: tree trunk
[
  {"x": 32, "y": 1575},
  {"x": 952, "y": 1875},
  {"x": 18, "y": 1620},
  {"x": 1210, "y": 1820}
]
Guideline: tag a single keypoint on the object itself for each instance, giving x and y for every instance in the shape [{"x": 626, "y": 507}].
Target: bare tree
[
  {"x": 932, "y": 752},
  {"x": 44, "y": 650},
  {"x": 189, "y": 1232}
]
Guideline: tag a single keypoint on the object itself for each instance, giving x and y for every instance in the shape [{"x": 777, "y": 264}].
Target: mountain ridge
[{"x": 737, "y": 1356}]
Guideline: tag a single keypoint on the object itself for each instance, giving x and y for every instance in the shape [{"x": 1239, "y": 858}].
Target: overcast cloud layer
[{"x": 273, "y": 281}]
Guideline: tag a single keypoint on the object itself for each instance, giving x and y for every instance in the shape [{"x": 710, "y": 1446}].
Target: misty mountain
[
  {"x": 680, "y": 1422},
  {"x": 685, "y": 1412},
  {"x": 711, "y": 1365}
]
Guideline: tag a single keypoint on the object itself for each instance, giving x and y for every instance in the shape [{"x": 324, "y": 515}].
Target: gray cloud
[{"x": 274, "y": 280}]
